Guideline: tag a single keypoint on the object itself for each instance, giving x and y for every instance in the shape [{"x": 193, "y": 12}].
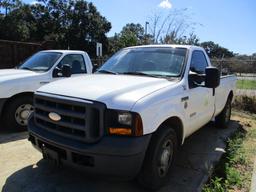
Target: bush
[{"x": 245, "y": 103}]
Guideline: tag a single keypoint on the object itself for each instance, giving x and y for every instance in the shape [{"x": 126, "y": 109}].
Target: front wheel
[
  {"x": 222, "y": 120},
  {"x": 17, "y": 112},
  {"x": 159, "y": 158}
]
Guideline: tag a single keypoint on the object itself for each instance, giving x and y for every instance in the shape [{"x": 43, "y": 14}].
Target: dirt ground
[{"x": 22, "y": 167}]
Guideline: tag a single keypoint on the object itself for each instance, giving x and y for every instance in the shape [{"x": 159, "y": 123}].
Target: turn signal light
[
  {"x": 138, "y": 126},
  {"x": 120, "y": 131}
]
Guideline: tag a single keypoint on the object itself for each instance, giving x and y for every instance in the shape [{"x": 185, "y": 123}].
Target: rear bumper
[
  {"x": 120, "y": 157},
  {"x": 2, "y": 102}
]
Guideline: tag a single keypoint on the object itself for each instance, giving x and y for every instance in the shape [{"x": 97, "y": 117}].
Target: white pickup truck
[
  {"x": 18, "y": 85},
  {"x": 129, "y": 118}
]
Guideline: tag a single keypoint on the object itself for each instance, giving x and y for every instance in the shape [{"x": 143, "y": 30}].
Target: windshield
[
  {"x": 41, "y": 61},
  {"x": 162, "y": 62}
]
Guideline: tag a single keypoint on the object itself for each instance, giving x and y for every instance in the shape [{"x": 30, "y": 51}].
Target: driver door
[
  {"x": 75, "y": 61},
  {"x": 201, "y": 100}
]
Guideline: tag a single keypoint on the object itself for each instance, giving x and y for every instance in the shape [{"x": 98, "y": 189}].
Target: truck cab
[{"x": 18, "y": 85}]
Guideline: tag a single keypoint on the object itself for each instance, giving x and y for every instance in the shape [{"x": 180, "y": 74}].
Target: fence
[
  {"x": 235, "y": 65},
  {"x": 12, "y": 52}
]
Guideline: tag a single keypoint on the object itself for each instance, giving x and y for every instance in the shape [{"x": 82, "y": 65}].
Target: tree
[
  {"x": 77, "y": 24},
  {"x": 170, "y": 28},
  {"x": 131, "y": 35},
  {"x": 19, "y": 24},
  {"x": 171, "y": 38},
  {"x": 215, "y": 50},
  {"x": 9, "y": 5},
  {"x": 73, "y": 24}
]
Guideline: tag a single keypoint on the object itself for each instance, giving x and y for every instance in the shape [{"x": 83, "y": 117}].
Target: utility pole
[{"x": 146, "y": 27}]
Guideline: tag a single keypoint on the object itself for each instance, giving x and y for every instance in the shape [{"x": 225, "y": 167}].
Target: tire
[
  {"x": 222, "y": 120},
  {"x": 159, "y": 158},
  {"x": 17, "y": 112}
]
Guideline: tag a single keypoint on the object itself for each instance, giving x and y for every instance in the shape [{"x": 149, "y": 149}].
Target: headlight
[
  {"x": 125, "y": 118},
  {"x": 124, "y": 123}
]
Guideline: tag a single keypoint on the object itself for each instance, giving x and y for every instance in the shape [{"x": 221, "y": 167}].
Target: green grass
[
  {"x": 246, "y": 84},
  {"x": 234, "y": 171}
]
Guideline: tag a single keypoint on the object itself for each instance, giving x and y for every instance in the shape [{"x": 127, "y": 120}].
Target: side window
[
  {"x": 76, "y": 62},
  {"x": 198, "y": 62}
]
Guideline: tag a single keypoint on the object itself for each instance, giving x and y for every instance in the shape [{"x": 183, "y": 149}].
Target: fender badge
[{"x": 54, "y": 116}]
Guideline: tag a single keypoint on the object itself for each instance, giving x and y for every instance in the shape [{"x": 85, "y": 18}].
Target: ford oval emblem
[{"x": 54, "y": 116}]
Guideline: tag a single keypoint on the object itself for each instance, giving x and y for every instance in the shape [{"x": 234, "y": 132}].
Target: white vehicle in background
[
  {"x": 129, "y": 119},
  {"x": 17, "y": 86}
]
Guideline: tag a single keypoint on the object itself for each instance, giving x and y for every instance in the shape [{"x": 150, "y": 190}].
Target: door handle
[
  {"x": 44, "y": 82},
  {"x": 184, "y": 98}
]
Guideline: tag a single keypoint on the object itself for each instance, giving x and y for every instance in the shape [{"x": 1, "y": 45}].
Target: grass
[
  {"x": 234, "y": 171},
  {"x": 245, "y": 84}
]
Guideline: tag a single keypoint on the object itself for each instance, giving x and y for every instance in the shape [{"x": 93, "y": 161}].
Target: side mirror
[
  {"x": 66, "y": 70},
  {"x": 56, "y": 72},
  {"x": 212, "y": 77},
  {"x": 94, "y": 68}
]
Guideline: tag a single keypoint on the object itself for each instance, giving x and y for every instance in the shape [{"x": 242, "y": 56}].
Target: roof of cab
[
  {"x": 65, "y": 51},
  {"x": 167, "y": 46}
]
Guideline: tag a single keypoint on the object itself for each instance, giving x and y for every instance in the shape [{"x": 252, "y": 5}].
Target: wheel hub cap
[
  {"x": 165, "y": 159},
  {"x": 22, "y": 114}
]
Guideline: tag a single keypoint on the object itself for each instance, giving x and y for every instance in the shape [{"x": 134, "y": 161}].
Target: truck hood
[
  {"x": 11, "y": 74},
  {"x": 116, "y": 91}
]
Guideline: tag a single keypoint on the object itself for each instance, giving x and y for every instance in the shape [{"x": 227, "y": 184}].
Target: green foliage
[
  {"x": 131, "y": 35},
  {"x": 246, "y": 84},
  {"x": 228, "y": 174},
  {"x": 74, "y": 24},
  {"x": 216, "y": 185},
  {"x": 233, "y": 177},
  {"x": 216, "y": 51},
  {"x": 9, "y": 5},
  {"x": 172, "y": 38},
  {"x": 18, "y": 24}
]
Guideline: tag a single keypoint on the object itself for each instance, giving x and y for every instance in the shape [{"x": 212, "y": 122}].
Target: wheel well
[
  {"x": 176, "y": 124},
  {"x": 30, "y": 94}
]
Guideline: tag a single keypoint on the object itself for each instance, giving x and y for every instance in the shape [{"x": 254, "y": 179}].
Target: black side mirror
[
  {"x": 56, "y": 72},
  {"x": 94, "y": 68},
  {"x": 66, "y": 70},
  {"x": 212, "y": 77}
]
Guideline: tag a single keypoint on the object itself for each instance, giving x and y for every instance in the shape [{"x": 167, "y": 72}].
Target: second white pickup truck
[
  {"x": 129, "y": 118},
  {"x": 18, "y": 85}
]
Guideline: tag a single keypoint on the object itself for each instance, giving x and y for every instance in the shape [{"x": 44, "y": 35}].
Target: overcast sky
[{"x": 230, "y": 23}]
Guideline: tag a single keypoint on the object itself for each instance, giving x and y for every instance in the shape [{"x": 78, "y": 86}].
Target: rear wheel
[
  {"x": 17, "y": 112},
  {"x": 222, "y": 120},
  {"x": 159, "y": 158}
]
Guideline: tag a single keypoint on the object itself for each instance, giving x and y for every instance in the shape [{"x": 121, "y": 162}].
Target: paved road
[
  {"x": 22, "y": 168},
  {"x": 247, "y": 77}
]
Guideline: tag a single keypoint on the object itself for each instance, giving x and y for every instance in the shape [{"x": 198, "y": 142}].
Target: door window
[
  {"x": 76, "y": 63},
  {"x": 198, "y": 62}
]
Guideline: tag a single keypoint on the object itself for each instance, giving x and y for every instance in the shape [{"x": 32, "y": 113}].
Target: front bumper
[
  {"x": 2, "y": 102},
  {"x": 113, "y": 156}
]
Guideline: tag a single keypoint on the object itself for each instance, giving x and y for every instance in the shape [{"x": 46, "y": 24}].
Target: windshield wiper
[
  {"x": 26, "y": 68},
  {"x": 139, "y": 73},
  {"x": 107, "y": 71}
]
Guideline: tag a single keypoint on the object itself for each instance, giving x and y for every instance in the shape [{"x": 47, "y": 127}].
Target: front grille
[{"x": 80, "y": 120}]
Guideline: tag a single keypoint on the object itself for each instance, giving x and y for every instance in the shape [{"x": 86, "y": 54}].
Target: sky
[{"x": 230, "y": 23}]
